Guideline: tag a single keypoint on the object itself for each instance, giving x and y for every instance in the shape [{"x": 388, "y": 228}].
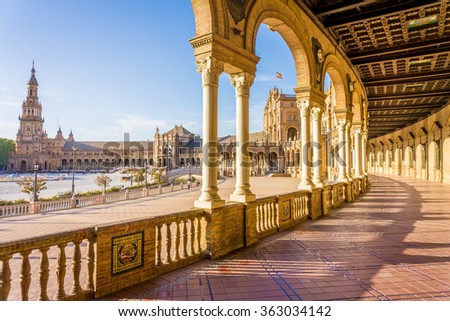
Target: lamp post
[
  {"x": 145, "y": 166},
  {"x": 74, "y": 148},
  {"x": 35, "y": 169},
  {"x": 168, "y": 149},
  {"x": 189, "y": 166}
]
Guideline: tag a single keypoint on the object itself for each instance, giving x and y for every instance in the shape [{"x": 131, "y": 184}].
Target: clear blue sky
[{"x": 109, "y": 67}]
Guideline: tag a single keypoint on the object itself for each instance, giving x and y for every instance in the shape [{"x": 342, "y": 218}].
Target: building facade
[{"x": 34, "y": 146}]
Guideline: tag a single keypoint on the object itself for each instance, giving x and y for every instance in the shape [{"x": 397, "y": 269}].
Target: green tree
[
  {"x": 139, "y": 177},
  {"x": 157, "y": 175},
  {"x": 26, "y": 184},
  {"x": 6, "y": 146},
  {"x": 103, "y": 181}
]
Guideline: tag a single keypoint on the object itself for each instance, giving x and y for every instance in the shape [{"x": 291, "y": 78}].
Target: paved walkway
[
  {"x": 392, "y": 244},
  {"x": 29, "y": 226}
]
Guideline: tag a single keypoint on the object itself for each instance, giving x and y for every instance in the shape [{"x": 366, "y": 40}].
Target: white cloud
[
  {"x": 265, "y": 78},
  {"x": 130, "y": 122}
]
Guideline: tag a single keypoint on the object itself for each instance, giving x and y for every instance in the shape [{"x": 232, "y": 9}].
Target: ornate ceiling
[{"x": 401, "y": 50}]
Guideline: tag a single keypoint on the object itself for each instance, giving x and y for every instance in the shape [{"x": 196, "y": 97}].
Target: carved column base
[
  {"x": 244, "y": 198},
  {"x": 209, "y": 204},
  {"x": 306, "y": 187}
]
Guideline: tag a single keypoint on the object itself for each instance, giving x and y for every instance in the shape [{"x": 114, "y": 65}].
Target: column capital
[
  {"x": 316, "y": 113},
  {"x": 304, "y": 107},
  {"x": 210, "y": 68},
  {"x": 342, "y": 123},
  {"x": 242, "y": 83}
]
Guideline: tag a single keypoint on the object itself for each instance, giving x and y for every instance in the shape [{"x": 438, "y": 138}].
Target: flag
[{"x": 279, "y": 75}]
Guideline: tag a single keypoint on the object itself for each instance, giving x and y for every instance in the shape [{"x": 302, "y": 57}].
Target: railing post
[
  {"x": 5, "y": 277},
  {"x": 44, "y": 274},
  {"x": 34, "y": 207},
  {"x": 73, "y": 201},
  {"x": 90, "y": 257},
  {"x": 76, "y": 269},
  {"x": 25, "y": 274},
  {"x": 127, "y": 194},
  {"x": 61, "y": 272}
]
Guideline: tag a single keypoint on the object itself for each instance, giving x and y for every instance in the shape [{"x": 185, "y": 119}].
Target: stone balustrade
[
  {"x": 27, "y": 262},
  {"x": 82, "y": 201},
  {"x": 65, "y": 266},
  {"x": 15, "y": 210}
]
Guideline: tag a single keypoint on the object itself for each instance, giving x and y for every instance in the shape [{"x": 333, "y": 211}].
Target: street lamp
[
  {"x": 74, "y": 148},
  {"x": 168, "y": 150},
  {"x": 145, "y": 165},
  {"x": 189, "y": 166},
  {"x": 35, "y": 168}
]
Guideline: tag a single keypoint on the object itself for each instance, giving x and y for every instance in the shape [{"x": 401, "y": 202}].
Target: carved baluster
[
  {"x": 185, "y": 239},
  {"x": 168, "y": 244},
  {"x": 44, "y": 274},
  {"x": 176, "y": 252},
  {"x": 198, "y": 236},
  {"x": 277, "y": 214},
  {"x": 258, "y": 230},
  {"x": 158, "y": 244},
  {"x": 191, "y": 238},
  {"x": 90, "y": 258},
  {"x": 269, "y": 216},
  {"x": 274, "y": 214},
  {"x": 61, "y": 272},
  {"x": 305, "y": 205},
  {"x": 266, "y": 227},
  {"x": 76, "y": 269},
  {"x": 25, "y": 274},
  {"x": 5, "y": 277}
]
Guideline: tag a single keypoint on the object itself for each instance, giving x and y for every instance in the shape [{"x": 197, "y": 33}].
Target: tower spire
[{"x": 33, "y": 80}]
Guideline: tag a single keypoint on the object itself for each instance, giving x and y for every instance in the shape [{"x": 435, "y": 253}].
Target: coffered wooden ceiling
[{"x": 401, "y": 50}]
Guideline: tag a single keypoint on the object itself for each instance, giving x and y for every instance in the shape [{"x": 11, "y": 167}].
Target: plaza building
[{"x": 177, "y": 147}]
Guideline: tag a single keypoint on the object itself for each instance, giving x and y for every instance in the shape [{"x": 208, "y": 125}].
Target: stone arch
[
  {"x": 283, "y": 20},
  {"x": 332, "y": 67},
  {"x": 409, "y": 161},
  {"x": 357, "y": 108},
  {"x": 433, "y": 161},
  {"x": 23, "y": 166},
  {"x": 203, "y": 15},
  {"x": 291, "y": 133},
  {"x": 446, "y": 165},
  {"x": 273, "y": 161}
]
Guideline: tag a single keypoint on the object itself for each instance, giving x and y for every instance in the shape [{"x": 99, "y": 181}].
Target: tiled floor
[{"x": 392, "y": 244}]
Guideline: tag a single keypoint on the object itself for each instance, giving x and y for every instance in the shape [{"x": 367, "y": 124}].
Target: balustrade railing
[
  {"x": 14, "y": 210},
  {"x": 66, "y": 266},
  {"x": 56, "y": 205},
  {"x": 82, "y": 201},
  {"x": 52, "y": 264},
  {"x": 266, "y": 215},
  {"x": 180, "y": 238}
]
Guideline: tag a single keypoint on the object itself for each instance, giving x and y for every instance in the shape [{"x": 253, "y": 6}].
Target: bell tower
[{"x": 31, "y": 135}]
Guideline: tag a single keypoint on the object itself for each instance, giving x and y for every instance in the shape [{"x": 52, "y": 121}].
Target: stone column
[
  {"x": 342, "y": 146},
  {"x": 210, "y": 69},
  {"x": 358, "y": 154},
  {"x": 306, "y": 182},
  {"x": 242, "y": 83},
  {"x": 364, "y": 152},
  {"x": 317, "y": 146},
  {"x": 348, "y": 150}
]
